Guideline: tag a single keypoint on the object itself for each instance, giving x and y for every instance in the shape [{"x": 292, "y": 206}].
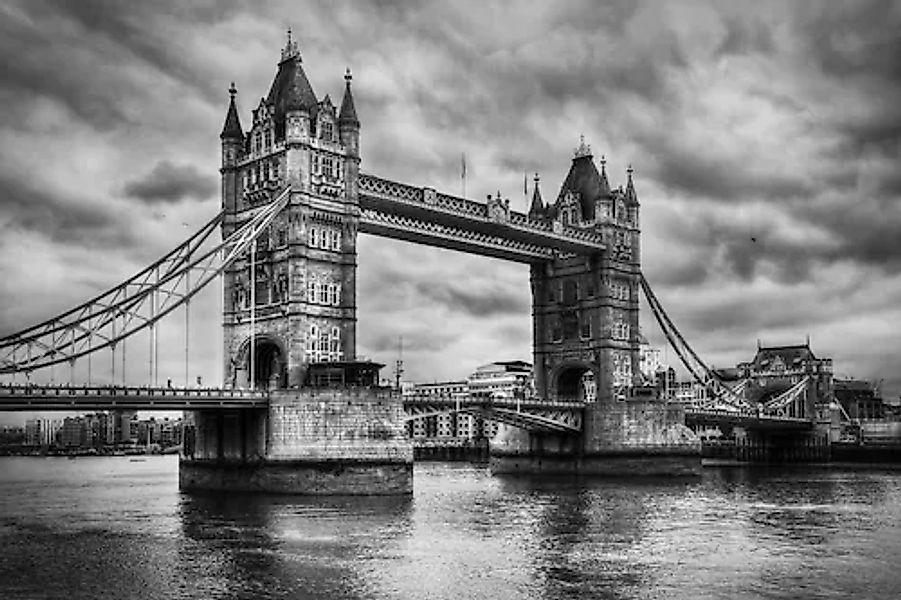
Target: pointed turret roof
[
  {"x": 631, "y": 196},
  {"x": 232, "y": 128},
  {"x": 291, "y": 90},
  {"x": 605, "y": 185},
  {"x": 348, "y": 113},
  {"x": 537, "y": 207},
  {"x": 583, "y": 179}
]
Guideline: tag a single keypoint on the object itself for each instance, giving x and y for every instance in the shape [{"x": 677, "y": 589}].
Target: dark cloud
[
  {"x": 61, "y": 219},
  {"x": 169, "y": 183}
]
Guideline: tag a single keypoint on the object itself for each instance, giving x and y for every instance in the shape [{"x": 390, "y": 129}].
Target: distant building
[
  {"x": 508, "y": 379},
  {"x": 859, "y": 399},
  {"x": 33, "y": 432},
  {"x": 502, "y": 380}
]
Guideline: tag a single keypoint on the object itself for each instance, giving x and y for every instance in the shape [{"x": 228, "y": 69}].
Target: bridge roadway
[
  {"x": 49, "y": 397},
  {"x": 533, "y": 414},
  {"x": 748, "y": 420}
]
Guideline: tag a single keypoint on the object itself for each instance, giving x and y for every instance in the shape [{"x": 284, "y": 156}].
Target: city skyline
[{"x": 764, "y": 142}]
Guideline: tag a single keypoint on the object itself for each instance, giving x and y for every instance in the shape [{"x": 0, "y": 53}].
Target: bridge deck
[
  {"x": 40, "y": 397},
  {"x": 750, "y": 421}
]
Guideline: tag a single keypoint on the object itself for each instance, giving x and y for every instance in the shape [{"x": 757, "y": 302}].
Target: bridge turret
[
  {"x": 348, "y": 124},
  {"x": 537, "y": 209},
  {"x": 232, "y": 139}
]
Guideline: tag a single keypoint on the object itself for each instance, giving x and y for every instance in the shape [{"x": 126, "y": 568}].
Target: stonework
[
  {"x": 309, "y": 441},
  {"x": 301, "y": 294}
]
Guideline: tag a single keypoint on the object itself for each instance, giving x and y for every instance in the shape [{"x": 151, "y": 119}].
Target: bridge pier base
[
  {"x": 313, "y": 441},
  {"x": 781, "y": 448},
  {"x": 637, "y": 438}
]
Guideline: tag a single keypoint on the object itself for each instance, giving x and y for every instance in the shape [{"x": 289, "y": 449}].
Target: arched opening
[
  {"x": 576, "y": 383},
  {"x": 268, "y": 367}
]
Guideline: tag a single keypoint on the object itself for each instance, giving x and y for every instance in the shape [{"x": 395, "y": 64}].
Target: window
[
  {"x": 586, "y": 328},
  {"x": 323, "y": 344},
  {"x": 334, "y": 349},
  {"x": 328, "y": 131},
  {"x": 313, "y": 237},
  {"x": 311, "y": 291},
  {"x": 336, "y": 240},
  {"x": 311, "y": 343},
  {"x": 267, "y": 139},
  {"x": 328, "y": 166},
  {"x": 333, "y": 294},
  {"x": 323, "y": 294}
]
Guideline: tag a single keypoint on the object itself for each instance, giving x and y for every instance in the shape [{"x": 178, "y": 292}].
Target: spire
[
  {"x": 537, "y": 207},
  {"x": 631, "y": 196},
  {"x": 232, "y": 128},
  {"x": 605, "y": 185},
  {"x": 348, "y": 114},
  {"x": 583, "y": 150},
  {"x": 290, "y": 50}
]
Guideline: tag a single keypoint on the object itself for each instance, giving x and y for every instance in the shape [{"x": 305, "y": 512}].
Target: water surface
[{"x": 113, "y": 528}]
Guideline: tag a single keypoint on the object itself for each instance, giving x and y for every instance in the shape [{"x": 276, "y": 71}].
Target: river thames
[{"x": 117, "y": 528}]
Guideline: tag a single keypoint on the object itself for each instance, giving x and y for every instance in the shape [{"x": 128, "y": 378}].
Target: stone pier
[
  {"x": 333, "y": 440},
  {"x": 630, "y": 438}
]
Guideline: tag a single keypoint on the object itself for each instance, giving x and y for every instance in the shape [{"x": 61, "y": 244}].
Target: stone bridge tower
[
  {"x": 585, "y": 308},
  {"x": 299, "y": 304}
]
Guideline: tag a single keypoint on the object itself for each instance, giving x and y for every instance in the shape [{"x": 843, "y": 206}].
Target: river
[{"x": 112, "y": 527}]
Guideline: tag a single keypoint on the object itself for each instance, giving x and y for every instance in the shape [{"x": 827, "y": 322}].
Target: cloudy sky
[{"x": 765, "y": 143}]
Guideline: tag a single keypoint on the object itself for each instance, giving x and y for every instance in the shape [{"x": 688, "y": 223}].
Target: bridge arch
[
  {"x": 269, "y": 364},
  {"x": 572, "y": 381}
]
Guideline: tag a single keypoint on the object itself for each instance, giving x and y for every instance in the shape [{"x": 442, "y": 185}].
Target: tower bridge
[{"x": 293, "y": 203}]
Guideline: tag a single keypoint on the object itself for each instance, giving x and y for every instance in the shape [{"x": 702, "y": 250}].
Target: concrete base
[
  {"x": 314, "y": 478},
  {"x": 633, "y": 464}
]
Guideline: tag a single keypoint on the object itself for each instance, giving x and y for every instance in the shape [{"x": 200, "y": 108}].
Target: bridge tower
[
  {"x": 585, "y": 308},
  {"x": 296, "y": 303},
  {"x": 586, "y": 343}
]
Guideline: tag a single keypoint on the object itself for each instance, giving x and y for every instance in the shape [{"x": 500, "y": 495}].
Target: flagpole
[{"x": 463, "y": 173}]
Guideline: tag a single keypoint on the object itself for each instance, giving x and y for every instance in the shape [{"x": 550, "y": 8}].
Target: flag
[
  {"x": 463, "y": 166},
  {"x": 525, "y": 184}
]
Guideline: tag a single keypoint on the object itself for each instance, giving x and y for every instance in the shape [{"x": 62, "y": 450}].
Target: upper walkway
[{"x": 423, "y": 215}]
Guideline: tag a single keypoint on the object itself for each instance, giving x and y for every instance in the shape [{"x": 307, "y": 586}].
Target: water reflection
[{"x": 282, "y": 546}]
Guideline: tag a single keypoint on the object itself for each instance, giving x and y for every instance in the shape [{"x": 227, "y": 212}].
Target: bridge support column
[
  {"x": 767, "y": 447},
  {"x": 644, "y": 438},
  {"x": 316, "y": 441}
]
